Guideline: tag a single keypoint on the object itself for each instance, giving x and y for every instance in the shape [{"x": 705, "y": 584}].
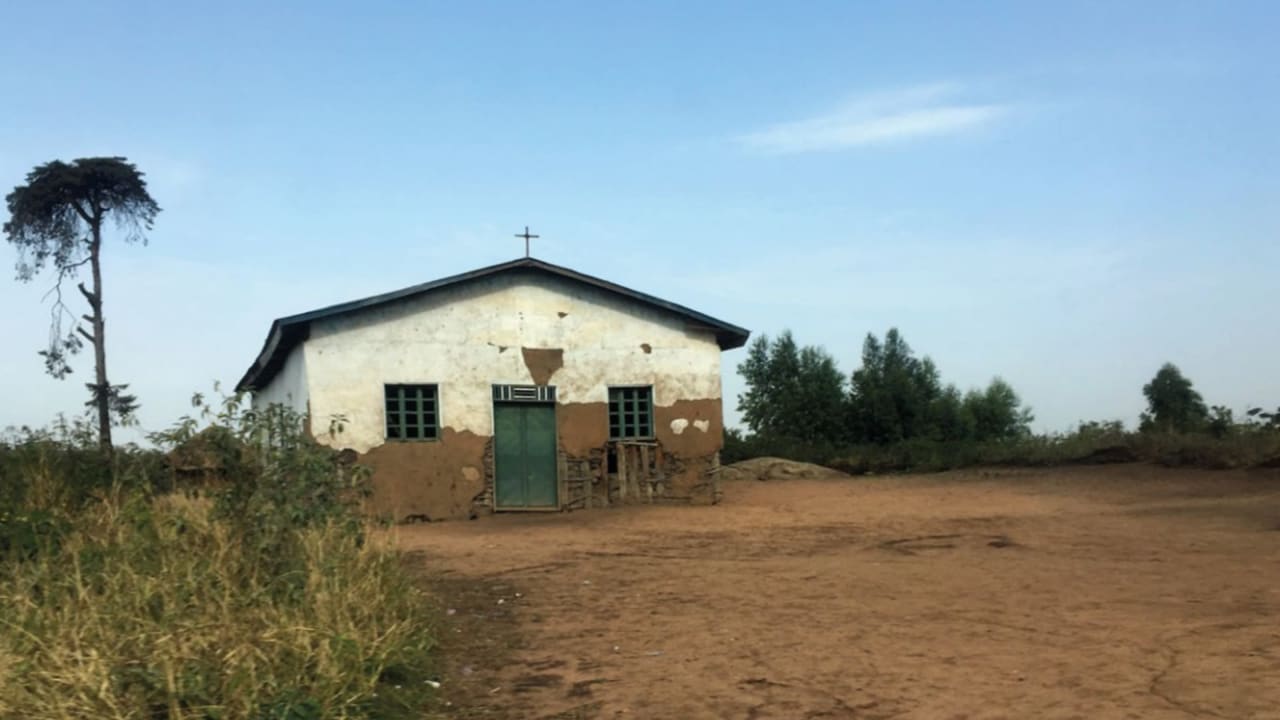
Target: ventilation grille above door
[{"x": 524, "y": 393}]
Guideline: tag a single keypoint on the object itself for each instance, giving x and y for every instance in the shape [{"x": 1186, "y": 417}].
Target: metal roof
[{"x": 287, "y": 332}]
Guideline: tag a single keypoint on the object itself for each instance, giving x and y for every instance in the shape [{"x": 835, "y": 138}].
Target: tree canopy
[
  {"x": 792, "y": 392},
  {"x": 1173, "y": 405},
  {"x": 52, "y": 215},
  {"x": 891, "y": 396},
  {"x": 897, "y": 396}
]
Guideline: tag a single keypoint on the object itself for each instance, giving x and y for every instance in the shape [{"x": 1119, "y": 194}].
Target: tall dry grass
[{"x": 154, "y": 609}]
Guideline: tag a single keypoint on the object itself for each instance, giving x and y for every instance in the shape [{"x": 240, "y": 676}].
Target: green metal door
[{"x": 524, "y": 452}]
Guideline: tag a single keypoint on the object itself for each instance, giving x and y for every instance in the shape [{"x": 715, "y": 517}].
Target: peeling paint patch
[
  {"x": 542, "y": 363},
  {"x": 678, "y": 425},
  {"x": 702, "y": 425},
  {"x": 646, "y": 347}
]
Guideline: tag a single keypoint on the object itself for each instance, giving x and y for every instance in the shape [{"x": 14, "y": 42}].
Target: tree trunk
[{"x": 102, "y": 393}]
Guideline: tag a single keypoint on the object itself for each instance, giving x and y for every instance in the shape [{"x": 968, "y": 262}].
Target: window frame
[
  {"x": 421, "y": 412},
  {"x": 639, "y": 420}
]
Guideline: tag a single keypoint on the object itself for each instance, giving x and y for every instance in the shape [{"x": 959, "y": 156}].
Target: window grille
[
  {"x": 412, "y": 412},
  {"x": 630, "y": 412},
  {"x": 524, "y": 393}
]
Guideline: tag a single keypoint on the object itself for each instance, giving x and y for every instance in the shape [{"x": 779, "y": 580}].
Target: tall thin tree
[{"x": 57, "y": 219}]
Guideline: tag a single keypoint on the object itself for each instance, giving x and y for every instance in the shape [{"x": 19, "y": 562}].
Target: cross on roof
[{"x": 526, "y": 237}]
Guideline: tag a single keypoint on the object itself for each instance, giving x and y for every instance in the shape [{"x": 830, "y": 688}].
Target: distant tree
[
  {"x": 897, "y": 396},
  {"x": 792, "y": 392},
  {"x": 760, "y": 405},
  {"x": 1100, "y": 429},
  {"x": 997, "y": 412},
  {"x": 1173, "y": 405},
  {"x": 892, "y": 396},
  {"x": 57, "y": 219},
  {"x": 1260, "y": 417},
  {"x": 1221, "y": 422},
  {"x": 952, "y": 419},
  {"x": 819, "y": 413}
]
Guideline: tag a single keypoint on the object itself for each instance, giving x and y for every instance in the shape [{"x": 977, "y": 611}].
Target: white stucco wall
[
  {"x": 289, "y": 386},
  {"x": 468, "y": 338}
]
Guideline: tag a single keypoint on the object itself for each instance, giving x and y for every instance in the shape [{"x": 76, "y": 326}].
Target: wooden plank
[
  {"x": 633, "y": 472},
  {"x": 715, "y": 479},
  {"x": 621, "y": 451},
  {"x": 646, "y": 473},
  {"x": 562, "y": 478}
]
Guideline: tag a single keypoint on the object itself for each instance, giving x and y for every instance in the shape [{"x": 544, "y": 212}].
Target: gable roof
[{"x": 288, "y": 332}]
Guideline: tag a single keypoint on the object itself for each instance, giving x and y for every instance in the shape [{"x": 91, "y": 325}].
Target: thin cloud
[{"x": 876, "y": 119}]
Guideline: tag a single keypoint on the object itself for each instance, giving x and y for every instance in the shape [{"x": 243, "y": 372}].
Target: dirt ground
[{"x": 1118, "y": 592}]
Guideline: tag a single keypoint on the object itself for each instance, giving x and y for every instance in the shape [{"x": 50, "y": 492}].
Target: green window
[
  {"x": 630, "y": 412},
  {"x": 412, "y": 412}
]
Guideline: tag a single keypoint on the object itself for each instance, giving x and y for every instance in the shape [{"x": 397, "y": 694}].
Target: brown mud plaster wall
[
  {"x": 542, "y": 363},
  {"x": 431, "y": 480},
  {"x": 582, "y": 427},
  {"x": 690, "y": 455},
  {"x": 682, "y": 462},
  {"x": 583, "y": 430}
]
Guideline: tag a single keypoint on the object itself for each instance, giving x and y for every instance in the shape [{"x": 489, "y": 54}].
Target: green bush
[
  {"x": 61, "y": 468},
  {"x": 277, "y": 478},
  {"x": 26, "y": 534},
  {"x": 1246, "y": 448}
]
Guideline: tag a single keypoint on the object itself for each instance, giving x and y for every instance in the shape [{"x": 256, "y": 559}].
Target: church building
[{"x": 523, "y": 386}]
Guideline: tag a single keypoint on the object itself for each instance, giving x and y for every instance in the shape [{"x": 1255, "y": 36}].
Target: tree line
[
  {"x": 800, "y": 394},
  {"x": 894, "y": 412}
]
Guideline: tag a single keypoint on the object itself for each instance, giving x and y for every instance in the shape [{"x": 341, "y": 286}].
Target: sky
[{"x": 1066, "y": 195}]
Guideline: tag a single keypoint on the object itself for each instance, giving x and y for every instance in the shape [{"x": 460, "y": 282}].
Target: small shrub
[
  {"x": 276, "y": 478},
  {"x": 61, "y": 469},
  {"x": 24, "y": 535}
]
